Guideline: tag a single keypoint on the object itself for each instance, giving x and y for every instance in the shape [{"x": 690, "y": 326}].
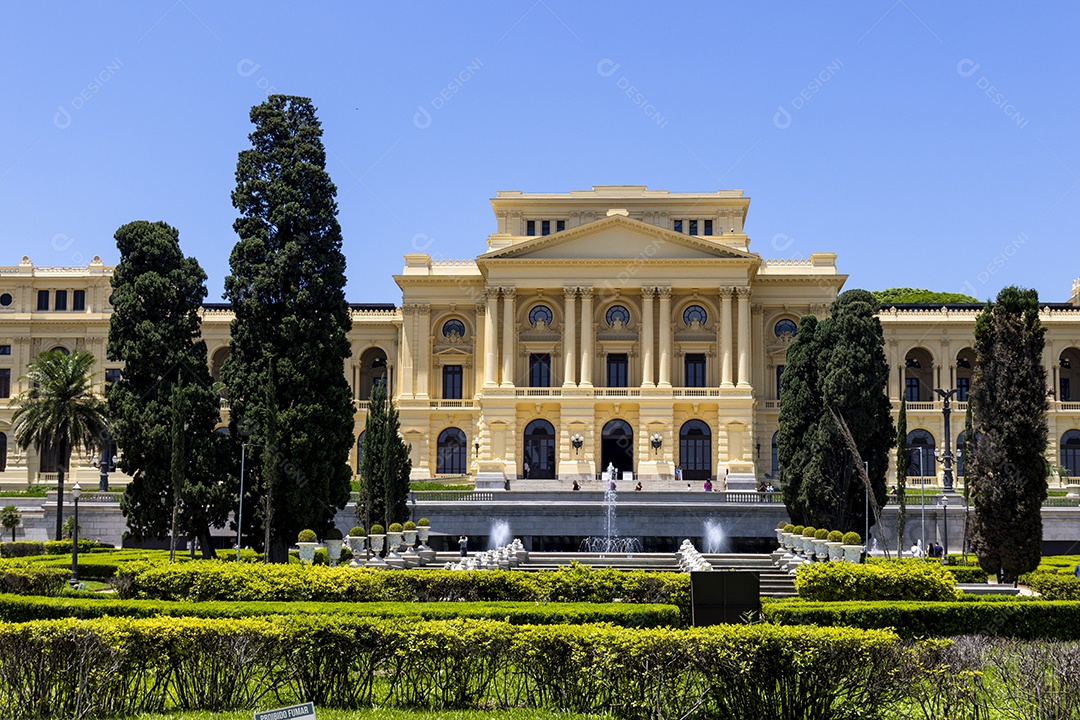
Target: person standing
[
  {"x": 526, "y": 469},
  {"x": 463, "y": 545},
  {"x": 708, "y": 485}
]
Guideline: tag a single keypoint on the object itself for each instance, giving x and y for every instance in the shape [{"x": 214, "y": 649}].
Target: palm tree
[
  {"x": 10, "y": 518},
  {"x": 60, "y": 412}
]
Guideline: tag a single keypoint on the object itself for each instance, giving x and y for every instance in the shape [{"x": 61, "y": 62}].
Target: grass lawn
[{"x": 387, "y": 714}]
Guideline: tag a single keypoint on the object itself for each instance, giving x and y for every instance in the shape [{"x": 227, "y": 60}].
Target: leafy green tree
[
  {"x": 164, "y": 408},
  {"x": 1008, "y": 406},
  {"x": 896, "y": 296},
  {"x": 397, "y": 469},
  {"x": 844, "y": 371},
  {"x": 10, "y": 519},
  {"x": 291, "y": 322},
  {"x": 385, "y": 467},
  {"x": 60, "y": 412},
  {"x": 901, "y": 476}
]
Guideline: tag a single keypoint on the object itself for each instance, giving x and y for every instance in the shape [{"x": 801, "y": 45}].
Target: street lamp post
[
  {"x": 75, "y": 492},
  {"x": 922, "y": 494},
  {"x": 947, "y": 456},
  {"x": 944, "y": 502}
]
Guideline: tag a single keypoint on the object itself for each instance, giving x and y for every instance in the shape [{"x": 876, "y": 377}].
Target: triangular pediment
[{"x": 618, "y": 238}]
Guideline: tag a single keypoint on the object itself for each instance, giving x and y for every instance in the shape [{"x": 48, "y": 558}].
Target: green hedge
[
  {"x": 33, "y": 580},
  {"x": 966, "y": 573},
  {"x": 97, "y": 564},
  {"x": 1002, "y": 616},
  {"x": 20, "y": 608},
  {"x": 889, "y": 580},
  {"x": 121, "y": 667},
  {"x": 1052, "y": 585},
  {"x": 21, "y": 548}
]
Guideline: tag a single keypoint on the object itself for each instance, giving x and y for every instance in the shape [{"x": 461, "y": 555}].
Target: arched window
[
  {"x": 539, "y": 450},
  {"x": 3, "y": 452},
  {"x": 61, "y": 349},
  {"x": 540, "y": 313},
  {"x": 920, "y": 449},
  {"x": 618, "y": 313},
  {"x": 775, "y": 457},
  {"x": 785, "y": 327},
  {"x": 695, "y": 454},
  {"x": 1070, "y": 452},
  {"x": 453, "y": 452},
  {"x": 360, "y": 450},
  {"x": 453, "y": 327},
  {"x": 695, "y": 312}
]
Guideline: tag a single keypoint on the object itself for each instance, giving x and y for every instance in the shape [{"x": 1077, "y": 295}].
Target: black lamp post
[
  {"x": 947, "y": 456},
  {"x": 945, "y": 515},
  {"x": 105, "y": 463},
  {"x": 656, "y": 441},
  {"x": 75, "y": 492}
]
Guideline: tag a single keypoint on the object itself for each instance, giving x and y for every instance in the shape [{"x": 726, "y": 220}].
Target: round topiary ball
[
  {"x": 395, "y": 527},
  {"x": 410, "y": 525},
  {"x": 798, "y": 529},
  {"x": 332, "y": 533},
  {"x": 852, "y": 538},
  {"x": 821, "y": 534},
  {"x": 357, "y": 532},
  {"x": 789, "y": 528},
  {"x": 836, "y": 536},
  {"x": 307, "y": 536},
  {"x": 809, "y": 531},
  {"x": 423, "y": 522},
  {"x": 377, "y": 530}
]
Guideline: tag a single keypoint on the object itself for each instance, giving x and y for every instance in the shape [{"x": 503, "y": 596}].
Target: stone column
[
  {"x": 586, "y": 337},
  {"x": 744, "y": 337},
  {"x": 478, "y": 347},
  {"x": 508, "y": 338},
  {"x": 725, "y": 336},
  {"x": 408, "y": 342},
  {"x": 423, "y": 363},
  {"x": 568, "y": 337},
  {"x": 665, "y": 337},
  {"x": 647, "y": 336},
  {"x": 491, "y": 348}
]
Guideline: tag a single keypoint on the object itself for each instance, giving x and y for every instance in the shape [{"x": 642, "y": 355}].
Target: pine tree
[
  {"x": 1008, "y": 406},
  {"x": 155, "y": 331},
  {"x": 901, "y": 476},
  {"x": 291, "y": 320}
]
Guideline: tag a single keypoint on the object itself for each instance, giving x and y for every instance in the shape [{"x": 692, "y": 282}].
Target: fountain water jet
[
  {"x": 499, "y": 534},
  {"x": 611, "y": 542},
  {"x": 713, "y": 537}
]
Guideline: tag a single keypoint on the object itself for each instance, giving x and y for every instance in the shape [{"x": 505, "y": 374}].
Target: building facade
[{"x": 615, "y": 327}]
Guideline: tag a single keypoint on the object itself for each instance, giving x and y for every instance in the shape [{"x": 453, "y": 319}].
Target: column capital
[
  {"x": 647, "y": 291},
  {"x": 508, "y": 292},
  {"x": 664, "y": 292},
  {"x": 480, "y": 309},
  {"x": 569, "y": 292},
  {"x": 409, "y": 309},
  {"x": 726, "y": 292},
  {"x": 423, "y": 308},
  {"x": 757, "y": 309},
  {"x": 491, "y": 293},
  {"x": 743, "y": 291},
  {"x": 586, "y": 292}
]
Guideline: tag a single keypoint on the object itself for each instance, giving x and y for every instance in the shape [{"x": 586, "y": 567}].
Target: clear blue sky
[{"x": 927, "y": 145}]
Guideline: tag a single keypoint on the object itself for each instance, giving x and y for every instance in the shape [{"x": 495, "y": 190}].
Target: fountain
[
  {"x": 611, "y": 542},
  {"x": 499, "y": 535},
  {"x": 713, "y": 537}
]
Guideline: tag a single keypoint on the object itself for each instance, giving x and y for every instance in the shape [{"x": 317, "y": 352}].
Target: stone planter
[
  {"x": 410, "y": 537},
  {"x": 808, "y": 546},
  {"x": 333, "y": 551},
  {"x": 820, "y": 551},
  {"x": 852, "y": 553},
  {"x": 836, "y": 551},
  {"x": 780, "y": 537},
  {"x": 393, "y": 542},
  {"x": 307, "y": 551},
  {"x": 422, "y": 532},
  {"x": 427, "y": 555},
  {"x": 356, "y": 544},
  {"x": 377, "y": 543}
]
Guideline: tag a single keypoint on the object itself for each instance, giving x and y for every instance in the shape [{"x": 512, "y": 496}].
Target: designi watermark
[
  {"x": 782, "y": 119},
  {"x": 967, "y": 68},
  {"x": 607, "y": 68},
  {"x": 422, "y": 119}
]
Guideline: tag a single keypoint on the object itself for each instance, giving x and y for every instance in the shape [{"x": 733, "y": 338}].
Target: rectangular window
[
  {"x": 560, "y": 225},
  {"x": 1066, "y": 394},
  {"x": 78, "y": 300},
  {"x": 112, "y": 376},
  {"x": 530, "y": 228},
  {"x": 962, "y": 386},
  {"x": 61, "y": 299},
  {"x": 779, "y": 379},
  {"x": 540, "y": 370},
  {"x": 678, "y": 226},
  {"x": 693, "y": 227},
  {"x": 42, "y": 299},
  {"x": 451, "y": 382},
  {"x": 5, "y": 382},
  {"x": 617, "y": 364},
  {"x": 5, "y": 349},
  {"x": 545, "y": 227},
  {"x": 708, "y": 227},
  {"x": 694, "y": 365},
  {"x": 911, "y": 389}
]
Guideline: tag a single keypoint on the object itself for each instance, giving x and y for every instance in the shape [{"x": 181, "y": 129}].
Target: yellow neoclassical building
[{"x": 614, "y": 327}]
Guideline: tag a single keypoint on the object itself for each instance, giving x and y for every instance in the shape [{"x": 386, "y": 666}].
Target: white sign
[{"x": 296, "y": 712}]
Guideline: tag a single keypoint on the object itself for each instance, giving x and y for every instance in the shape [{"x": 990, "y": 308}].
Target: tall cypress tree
[
  {"x": 968, "y": 456},
  {"x": 1008, "y": 407},
  {"x": 901, "y": 476},
  {"x": 398, "y": 467},
  {"x": 385, "y": 467},
  {"x": 291, "y": 319},
  {"x": 155, "y": 331},
  {"x": 843, "y": 369}
]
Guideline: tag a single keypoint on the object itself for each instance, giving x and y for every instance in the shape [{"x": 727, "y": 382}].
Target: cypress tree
[
  {"x": 901, "y": 476},
  {"x": 291, "y": 322},
  {"x": 1008, "y": 406},
  {"x": 373, "y": 464},
  {"x": 968, "y": 451},
  {"x": 800, "y": 409},
  {"x": 155, "y": 331}
]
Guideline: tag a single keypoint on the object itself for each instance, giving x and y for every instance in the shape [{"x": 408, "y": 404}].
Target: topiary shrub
[
  {"x": 789, "y": 528},
  {"x": 836, "y": 536},
  {"x": 887, "y": 580},
  {"x": 410, "y": 525},
  {"x": 821, "y": 534},
  {"x": 307, "y": 536},
  {"x": 423, "y": 522},
  {"x": 852, "y": 538},
  {"x": 395, "y": 527},
  {"x": 809, "y": 531},
  {"x": 357, "y": 532},
  {"x": 332, "y": 533},
  {"x": 797, "y": 530},
  {"x": 378, "y": 530},
  {"x": 781, "y": 525}
]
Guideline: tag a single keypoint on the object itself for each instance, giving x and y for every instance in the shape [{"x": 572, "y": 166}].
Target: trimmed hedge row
[
  {"x": 126, "y": 667},
  {"x": 1004, "y": 616},
  {"x": 97, "y": 565},
  {"x": 1053, "y": 585},
  {"x": 889, "y": 580},
  {"x": 30, "y": 548},
  {"x": 33, "y": 580},
  {"x": 18, "y": 608}
]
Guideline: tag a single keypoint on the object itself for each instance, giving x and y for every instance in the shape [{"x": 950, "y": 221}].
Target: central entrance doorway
[
  {"x": 617, "y": 446},
  {"x": 695, "y": 450},
  {"x": 540, "y": 450}
]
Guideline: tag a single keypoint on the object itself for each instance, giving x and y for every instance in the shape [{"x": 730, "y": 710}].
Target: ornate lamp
[
  {"x": 577, "y": 441},
  {"x": 656, "y": 441}
]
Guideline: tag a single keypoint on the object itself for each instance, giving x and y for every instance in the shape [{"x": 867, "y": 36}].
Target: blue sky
[{"x": 926, "y": 144}]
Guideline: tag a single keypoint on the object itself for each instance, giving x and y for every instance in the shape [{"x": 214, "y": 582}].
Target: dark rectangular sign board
[{"x": 724, "y": 597}]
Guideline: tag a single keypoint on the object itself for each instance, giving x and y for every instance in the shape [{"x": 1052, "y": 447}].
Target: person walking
[{"x": 463, "y": 545}]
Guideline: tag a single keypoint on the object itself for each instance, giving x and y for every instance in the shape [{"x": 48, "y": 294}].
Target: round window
[
  {"x": 785, "y": 327},
  {"x": 618, "y": 312},
  {"x": 5, "y": 299},
  {"x": 695, "y": 312},
  {"x": 540, "y": 313},
  {"x": 453, "y": 327}
]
